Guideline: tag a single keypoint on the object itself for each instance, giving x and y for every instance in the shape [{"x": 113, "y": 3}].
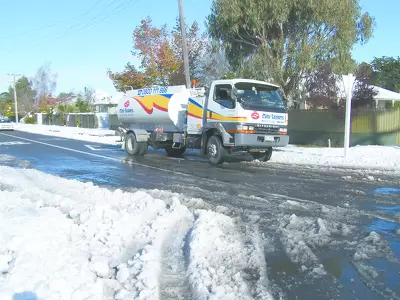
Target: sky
[{"x": 82, "y": 39}]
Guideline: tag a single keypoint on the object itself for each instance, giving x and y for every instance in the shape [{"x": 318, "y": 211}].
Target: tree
[
  {"x": 130, "y": 77},
  {"x": 364, "y": 92},
  {"x": 321, "y": 87},
  {"x": 25, "y": 95},
  {"x": 387, "y": 72},
  {"x": 44, "y": 83},
  {"x": 82, "y": 105},
  {"x": 214, "y": 65},
  {"x": 197, "y": 45},
  {"x": 160, "y": 53},
  {"x": 88, "y": 94},
  {"x": 284, "y": 40},
  {"x": 65, "y": 97}
]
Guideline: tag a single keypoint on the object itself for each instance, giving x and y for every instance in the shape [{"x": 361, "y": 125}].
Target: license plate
[{"x": 269, "y": 138}]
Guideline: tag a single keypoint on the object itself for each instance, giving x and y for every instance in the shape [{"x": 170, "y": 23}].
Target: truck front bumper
[{"x": 260, "y": 141}]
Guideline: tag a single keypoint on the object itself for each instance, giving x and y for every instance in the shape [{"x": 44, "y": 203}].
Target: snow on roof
[
  {"x": 383, "y": 94},
  {"x": 101, "y": 97}
]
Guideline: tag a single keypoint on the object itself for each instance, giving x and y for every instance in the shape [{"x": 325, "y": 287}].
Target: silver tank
[{"x": 154, "y": 107}]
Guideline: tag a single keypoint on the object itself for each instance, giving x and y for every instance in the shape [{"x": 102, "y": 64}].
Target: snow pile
[
  {"x": 208, "y": 276},
  {"x": 83, "y": 134},
  {"x": 370, "y": 157},
  {"x": 64, "y": 239},
  {"x": 301, "y": 236},
  {"x": 374, "y": 245}
]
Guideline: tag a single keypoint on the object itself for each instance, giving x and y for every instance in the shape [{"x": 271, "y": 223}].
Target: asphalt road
[{"x": 307, "y": 216}]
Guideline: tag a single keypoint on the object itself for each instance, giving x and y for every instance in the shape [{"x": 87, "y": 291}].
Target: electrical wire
[
  {"x": 118, "y": 9},
  {"x": 51, "y": 25}
]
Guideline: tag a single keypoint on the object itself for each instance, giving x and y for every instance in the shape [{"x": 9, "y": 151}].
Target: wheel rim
[{"x": 212, "y": 150}]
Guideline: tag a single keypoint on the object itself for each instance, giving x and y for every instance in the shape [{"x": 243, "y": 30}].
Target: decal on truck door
[{"x": 195, "y": 110}]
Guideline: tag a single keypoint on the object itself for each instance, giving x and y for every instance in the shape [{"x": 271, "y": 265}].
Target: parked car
[{"x": 6, "y": 124}]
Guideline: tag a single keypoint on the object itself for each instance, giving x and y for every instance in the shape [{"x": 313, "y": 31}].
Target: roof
[
  {"x": 103, "y": 98},
  {"x": 383, "y": 94}
]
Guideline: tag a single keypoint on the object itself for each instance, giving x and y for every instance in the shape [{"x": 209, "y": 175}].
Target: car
[{"x": 6, "y": 124}]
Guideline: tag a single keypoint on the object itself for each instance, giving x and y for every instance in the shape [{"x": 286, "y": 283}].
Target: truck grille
[{"x": 266, "y": 130}]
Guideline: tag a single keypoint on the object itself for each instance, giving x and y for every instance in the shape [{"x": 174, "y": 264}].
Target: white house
[
  {"x": 105, "y": 103},
  {"x": 382, "y": 97}
]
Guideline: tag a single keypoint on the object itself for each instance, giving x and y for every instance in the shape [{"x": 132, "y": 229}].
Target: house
[
  {"x": 382, "y": 97},
  {"x": 105, "y": 103}
]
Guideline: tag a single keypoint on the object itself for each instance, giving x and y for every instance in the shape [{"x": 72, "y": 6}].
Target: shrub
[{"x": 30, "y": 119}]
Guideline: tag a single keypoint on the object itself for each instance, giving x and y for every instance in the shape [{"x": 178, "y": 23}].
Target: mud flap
[{"x": 123, "y": 138}]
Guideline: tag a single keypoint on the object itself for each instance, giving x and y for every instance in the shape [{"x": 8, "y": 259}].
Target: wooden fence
[{"x": 368, "y": 127}]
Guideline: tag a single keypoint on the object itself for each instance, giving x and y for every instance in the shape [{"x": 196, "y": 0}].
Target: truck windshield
[{"x": 253, "y": 96}]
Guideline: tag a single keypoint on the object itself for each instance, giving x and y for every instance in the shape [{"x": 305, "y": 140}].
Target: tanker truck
[{"x": 233, "y": 116}]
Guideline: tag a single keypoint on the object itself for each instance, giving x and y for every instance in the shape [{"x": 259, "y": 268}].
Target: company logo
[
  {"x": 273, "y": 117},
  {"x": 127, "y": 103},
  {"x": 255, "y": 115}
]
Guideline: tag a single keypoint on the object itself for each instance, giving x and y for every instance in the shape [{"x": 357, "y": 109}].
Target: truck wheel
[
  {"x": 172, "y": 152},
  {"x": 132, "y": 146},
  {"x": 263, "y": 156},
  {"x": 144, "y": 148},
  {"x": 216, "y": 152}
]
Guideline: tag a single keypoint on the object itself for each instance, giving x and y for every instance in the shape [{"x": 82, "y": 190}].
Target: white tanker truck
[{"x": 235, "y": 115}]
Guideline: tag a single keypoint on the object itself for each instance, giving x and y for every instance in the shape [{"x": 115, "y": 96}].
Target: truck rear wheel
[
  {"x": 133, "y": 147},
  {"x": 172, "y": 152},
  {"x": 263, "y": 156},
  {"x": 216, "y": 152}
]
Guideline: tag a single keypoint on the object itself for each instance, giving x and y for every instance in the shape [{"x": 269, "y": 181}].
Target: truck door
[{"x": 221, "y": 106}]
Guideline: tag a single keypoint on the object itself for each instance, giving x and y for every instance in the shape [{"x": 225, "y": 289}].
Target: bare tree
[{"x": 44, "y": 83}]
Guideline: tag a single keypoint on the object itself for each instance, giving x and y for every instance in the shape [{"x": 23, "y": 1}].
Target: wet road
[{"x": 326, "y": 233}]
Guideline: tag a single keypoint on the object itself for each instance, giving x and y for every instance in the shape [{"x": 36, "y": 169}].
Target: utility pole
[
  {"x": 15, "y": 97},
  {"x": 184, "y": 45}
]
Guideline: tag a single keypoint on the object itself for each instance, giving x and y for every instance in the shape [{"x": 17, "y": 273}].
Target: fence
[
  {"x": 306, "y": 127},
  {"x": 368, "y": 127},
  {"x": 83, "y": 120}
]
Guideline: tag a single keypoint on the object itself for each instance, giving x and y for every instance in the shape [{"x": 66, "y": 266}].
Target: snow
[
  {"x": 382, "y": 158},
  {"x": 102, "y": 136},
  {"x": 65, "y": 239}
]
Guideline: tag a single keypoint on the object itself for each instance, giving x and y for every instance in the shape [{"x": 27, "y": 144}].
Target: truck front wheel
[
  {"x": 216, "y": 152},
  {"x": 263, "y": 156},
  {"x": 133, "y": 147}
]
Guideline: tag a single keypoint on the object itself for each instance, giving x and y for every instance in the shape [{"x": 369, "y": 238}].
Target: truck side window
[{"x": 222, "y": 95}]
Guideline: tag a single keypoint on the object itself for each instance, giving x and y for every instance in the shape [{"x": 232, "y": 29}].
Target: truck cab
[{"x": 246, "y": 115}]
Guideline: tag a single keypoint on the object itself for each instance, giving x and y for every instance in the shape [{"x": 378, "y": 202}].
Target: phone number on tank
[{"x": 155, "y": 90}]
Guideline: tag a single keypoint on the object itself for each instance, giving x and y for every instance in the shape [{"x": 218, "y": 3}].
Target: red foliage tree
[{"x": 160, "y": 53}]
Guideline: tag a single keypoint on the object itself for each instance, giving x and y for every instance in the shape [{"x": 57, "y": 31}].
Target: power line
[
  {"x": 53, "y": 24},
  {"x": 47, "y": 37},
  {"x": 71, "y": 33},
  {"x": 15, "y": 96}
]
